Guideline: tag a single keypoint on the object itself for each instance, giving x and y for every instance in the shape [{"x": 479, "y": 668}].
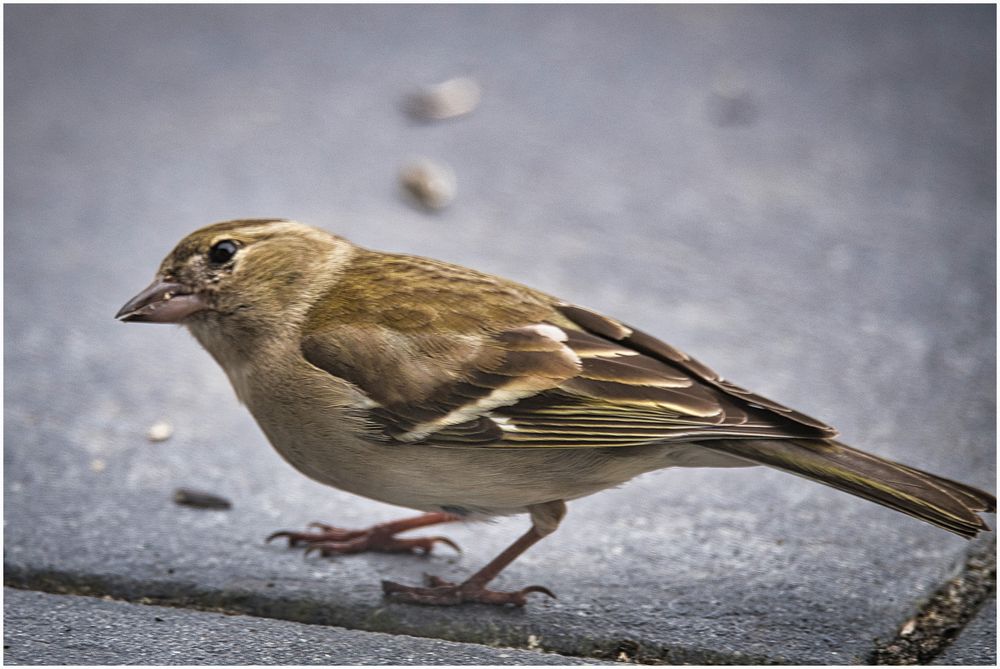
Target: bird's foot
[
  {"x": 443, "y": 593},
  {"x": 329, "y": 540}
]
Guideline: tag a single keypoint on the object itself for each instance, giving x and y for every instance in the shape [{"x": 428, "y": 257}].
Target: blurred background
[
  {"x": 801, "y": 196},
  {"x": 778, "y": 190}
]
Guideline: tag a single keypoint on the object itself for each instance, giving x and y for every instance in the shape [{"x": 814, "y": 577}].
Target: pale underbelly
[{"x": 481, "y": 480}]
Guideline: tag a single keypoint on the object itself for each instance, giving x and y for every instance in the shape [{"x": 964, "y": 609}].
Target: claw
[
  {"x": 293, "y": 537},
  {"x": 538, "y": 588},
  {"x": 326, "y": 534},
  {"x": 447, "y": 542}
]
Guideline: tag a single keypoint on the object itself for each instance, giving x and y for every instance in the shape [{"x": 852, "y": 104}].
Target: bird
[{"x": 464, "y": 396}]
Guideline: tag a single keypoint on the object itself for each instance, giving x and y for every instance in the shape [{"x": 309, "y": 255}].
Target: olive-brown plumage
[{"x": 461, "y": 394}]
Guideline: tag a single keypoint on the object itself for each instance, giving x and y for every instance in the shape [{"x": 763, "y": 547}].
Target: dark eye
[{"x": 222, "y": 252}]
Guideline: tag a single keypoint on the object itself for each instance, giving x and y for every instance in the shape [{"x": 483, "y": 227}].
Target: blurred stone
[
  {"x": 431, "y": 184},
  {"x": 730, "y": 103},
  {"x": 200, "y": 499},
  {"x": 160, "y": 431},
  {"x": 449, "y": 99}
]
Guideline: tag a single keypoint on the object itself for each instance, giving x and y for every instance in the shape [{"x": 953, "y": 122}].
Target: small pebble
[
  {"x": 455, "y": 97},
  {"x": 160, "y": 431},
  {"x": 430, "y": 183},
  {"x": 200, "y": 499}
]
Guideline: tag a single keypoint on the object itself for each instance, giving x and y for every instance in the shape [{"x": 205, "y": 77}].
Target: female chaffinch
[{"x": 436, "y": 387}]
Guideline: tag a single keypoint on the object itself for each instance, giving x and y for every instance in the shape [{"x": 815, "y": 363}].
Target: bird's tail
[{"x": 939, "y": 501}]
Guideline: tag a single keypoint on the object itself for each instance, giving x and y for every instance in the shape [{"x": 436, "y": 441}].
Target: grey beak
[{"x": 161, "y": 302}]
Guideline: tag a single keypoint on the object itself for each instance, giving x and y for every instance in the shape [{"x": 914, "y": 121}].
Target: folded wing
[{"x": 580, "y": 380}]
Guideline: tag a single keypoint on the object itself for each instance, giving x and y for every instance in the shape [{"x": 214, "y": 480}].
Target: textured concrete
[
  {"x": 802, "y": 197},
  {"x": 49, "y": 629},
  {"x": 977, "y": 644}
]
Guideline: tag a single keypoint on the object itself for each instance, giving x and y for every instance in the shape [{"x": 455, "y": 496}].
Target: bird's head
[{"x": 242, "y": 272}]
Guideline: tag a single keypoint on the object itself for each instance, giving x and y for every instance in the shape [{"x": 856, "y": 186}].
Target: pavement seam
[
  {"x": 379, "y": 619},
  {"x": 943, "y": 616}
]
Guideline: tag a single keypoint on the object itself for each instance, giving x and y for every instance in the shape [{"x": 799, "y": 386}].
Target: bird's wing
[
  {"x": 579, "y": 380},
  {"x": 649, "y": 346}
]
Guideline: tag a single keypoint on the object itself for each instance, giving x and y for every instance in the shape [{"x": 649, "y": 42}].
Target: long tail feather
[{"x": 947, "y": 504}]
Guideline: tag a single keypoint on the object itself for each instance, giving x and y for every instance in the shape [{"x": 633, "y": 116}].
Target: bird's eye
[{"x": 222, "y": 252}]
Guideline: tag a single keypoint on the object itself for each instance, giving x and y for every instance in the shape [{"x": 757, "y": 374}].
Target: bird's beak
[{"x": 161, "y": 302}]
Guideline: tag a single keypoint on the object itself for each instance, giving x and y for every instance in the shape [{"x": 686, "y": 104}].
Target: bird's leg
[
  {"x": 544, "y": 520},
  {"x": 329, "y": 540}
]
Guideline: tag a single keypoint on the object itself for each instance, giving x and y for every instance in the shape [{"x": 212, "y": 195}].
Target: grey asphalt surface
[
  {"x": 64, "y": 629},
  {"x": 801, "y": 197}
]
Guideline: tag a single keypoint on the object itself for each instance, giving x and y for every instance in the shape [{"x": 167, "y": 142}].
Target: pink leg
[{"x": 545, "y": 518}]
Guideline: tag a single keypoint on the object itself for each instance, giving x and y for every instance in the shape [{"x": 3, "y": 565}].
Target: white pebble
[
  {"x": 160, "y": 431},
  {"x": 432, "y": 184}
]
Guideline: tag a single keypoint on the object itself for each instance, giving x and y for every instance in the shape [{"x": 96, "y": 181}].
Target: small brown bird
[{"x": 460, "y": 394}]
